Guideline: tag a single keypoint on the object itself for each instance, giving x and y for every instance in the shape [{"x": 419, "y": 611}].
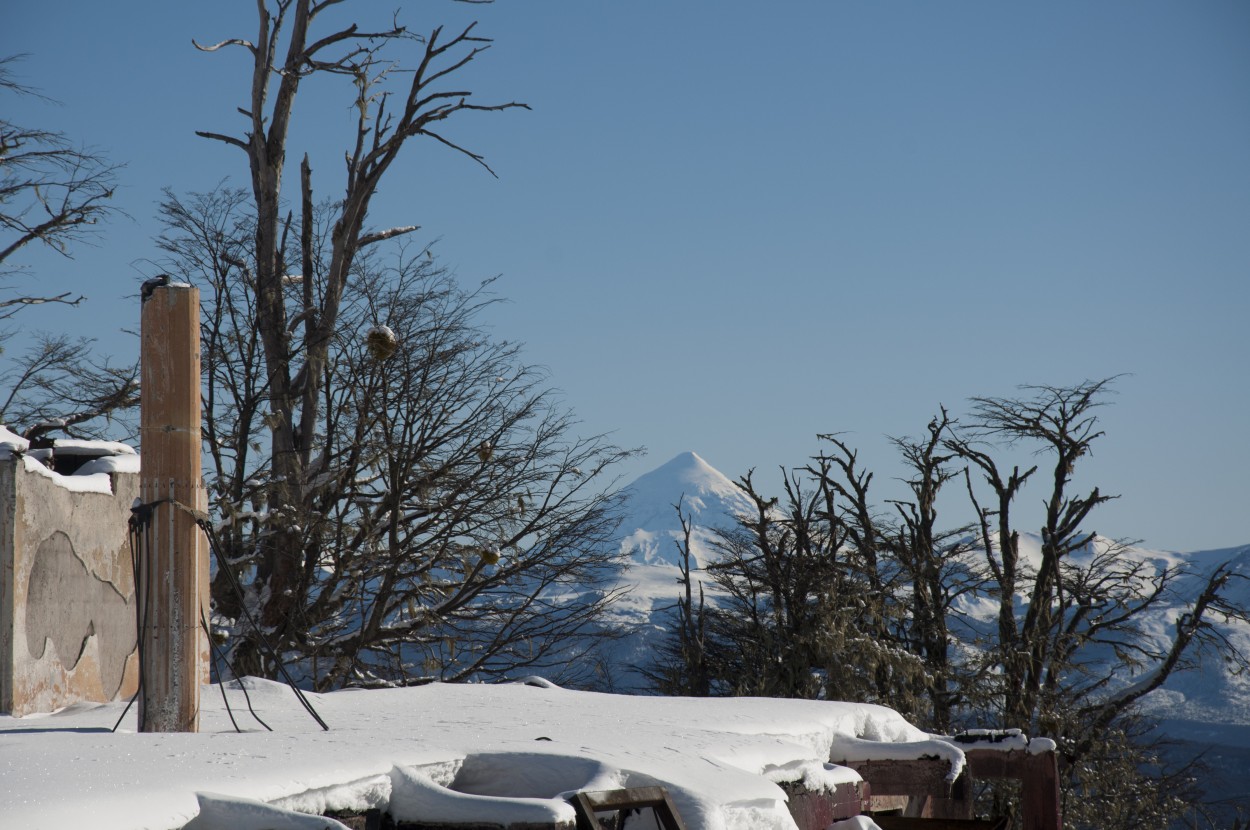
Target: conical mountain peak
[{"x": 708, "y": 499}]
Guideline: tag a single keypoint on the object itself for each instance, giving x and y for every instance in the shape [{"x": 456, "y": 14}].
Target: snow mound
[{"x": 440, "y": 752}]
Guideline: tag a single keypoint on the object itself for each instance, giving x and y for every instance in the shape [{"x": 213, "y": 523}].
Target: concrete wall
[{"x": 67, "y": 625}]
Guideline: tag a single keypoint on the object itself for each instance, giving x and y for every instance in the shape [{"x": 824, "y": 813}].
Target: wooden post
[
  {"x": 174, "y": 562},
  {"x": 1038, "y": 774},
  {"x": 1039, "y": 797}
]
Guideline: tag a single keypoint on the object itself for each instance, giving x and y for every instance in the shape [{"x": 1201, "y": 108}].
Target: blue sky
[{"x": 726, "y": 227}]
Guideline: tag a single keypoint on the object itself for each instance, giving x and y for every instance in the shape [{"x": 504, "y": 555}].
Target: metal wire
[{"x": 140, "y": 530}]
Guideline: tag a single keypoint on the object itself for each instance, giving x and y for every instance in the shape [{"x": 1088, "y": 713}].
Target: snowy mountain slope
[
  {"x": 1213, "y": 692},
  {"x": 1218, "y": 692},
  {"x": 651, "y": 533},
  {"x": 1190, "y": 702},
  {"x": 707, "y": 497}
]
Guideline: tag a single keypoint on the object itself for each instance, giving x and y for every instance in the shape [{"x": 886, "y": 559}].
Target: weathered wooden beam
[
  {"x": 926, "y": 776},
  {"x": 586, "y": 804},
  {"x": 173, "y": 561},
  {"x": 1039, "y": 793},
  {"x": 1038, "y": 774},
  {"x": 925, "y": 781},
  {"x": 816, "y": 810},
  {"x": 904, "y": 823}
]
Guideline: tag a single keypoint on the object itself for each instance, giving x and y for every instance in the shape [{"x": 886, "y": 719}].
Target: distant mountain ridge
[
  {"x": 1205, "y": 711},
  {"x": 1191, "y": 701}
]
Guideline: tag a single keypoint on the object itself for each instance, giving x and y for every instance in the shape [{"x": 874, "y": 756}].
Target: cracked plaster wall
[{"x": 67, "y": 628}]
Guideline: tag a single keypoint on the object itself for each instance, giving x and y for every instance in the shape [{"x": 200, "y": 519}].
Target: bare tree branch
[{"x": 390, "y": 233}]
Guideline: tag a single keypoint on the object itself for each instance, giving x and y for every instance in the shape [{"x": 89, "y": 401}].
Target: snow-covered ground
[{"x": 436, "y": 753}]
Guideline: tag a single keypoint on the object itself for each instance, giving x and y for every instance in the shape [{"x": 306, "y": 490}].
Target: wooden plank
[
  {"x": 906, "y": 823},
  {"x": 1038, "y": 774},
  {"x": 816, "y": 810},
  {"x": 993, "y": 764},
  {"x": 586, "y": 804},
  {"x": 925, "y": 781},
  {"x": 619, "y": 799},
  {"x": 1039, "y": 793},
  {"x": 927, "y": 776},
  {"x": 174, "y": 567}
]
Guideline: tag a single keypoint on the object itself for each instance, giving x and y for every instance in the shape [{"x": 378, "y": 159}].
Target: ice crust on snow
[
  {"x": 223, "y": 812},
  {"x": 73, "y": 446},
  {"x": 455, "y": 750}
]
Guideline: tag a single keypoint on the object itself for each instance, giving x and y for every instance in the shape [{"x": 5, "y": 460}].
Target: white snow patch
[
  {"x": 109, "y": 464},
  {"x": 10, "y": 441},
  {"x": 814, "y": 776},
  {"x": 73, "y": 446},
  {"x": 94, "y": 483},
  {"x": 455, "y": 750},
  {"x": 416, "y": 798},
  {"x": 855, "y": 823},
  {"x": 852, "y": 750},
  {"x": 1040, "y": 746},
  {"x": 224, "y": 812}
]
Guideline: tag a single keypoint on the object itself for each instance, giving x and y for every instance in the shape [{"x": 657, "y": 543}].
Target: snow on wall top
[
  {"x": 91, "y": 477},
  {"x": 10, "y": 441},
  {"x": 73, "y": 446}
]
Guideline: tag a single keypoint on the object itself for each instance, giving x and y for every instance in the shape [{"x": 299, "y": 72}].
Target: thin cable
[
  {"x": 220, "y": 685},
  {"x": 248, "y": 698},
  {"x": 202, "y": 521},
  {"x": 133, "y": 698},
  {"x": 141, "y": 517},
  {"x": 140, "y": 520},
  {"x": 242, "y": 685}
]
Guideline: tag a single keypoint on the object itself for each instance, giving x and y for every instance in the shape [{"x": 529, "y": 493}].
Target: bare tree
[
  {"x": 805, "y": 614},
  {"x": 395, "y": 100},
  {"x": 682, "y": 667},
  {"x": 934, "y": 565},
  {"x": 821, "y": 578},
  {"x": 450, "y": 525},
  {"x": 1085, "y": 597},
  {"x": 52, "y": 193},
  {"x": 57, "y": 386}
]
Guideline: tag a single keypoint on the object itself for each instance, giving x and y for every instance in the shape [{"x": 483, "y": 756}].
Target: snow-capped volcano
[
  {"x": 650, "y": 536},
  {"x": 708, "y": 499}
]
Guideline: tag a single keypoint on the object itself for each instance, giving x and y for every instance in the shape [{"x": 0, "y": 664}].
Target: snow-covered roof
[{"x": 721, "y": 759}]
